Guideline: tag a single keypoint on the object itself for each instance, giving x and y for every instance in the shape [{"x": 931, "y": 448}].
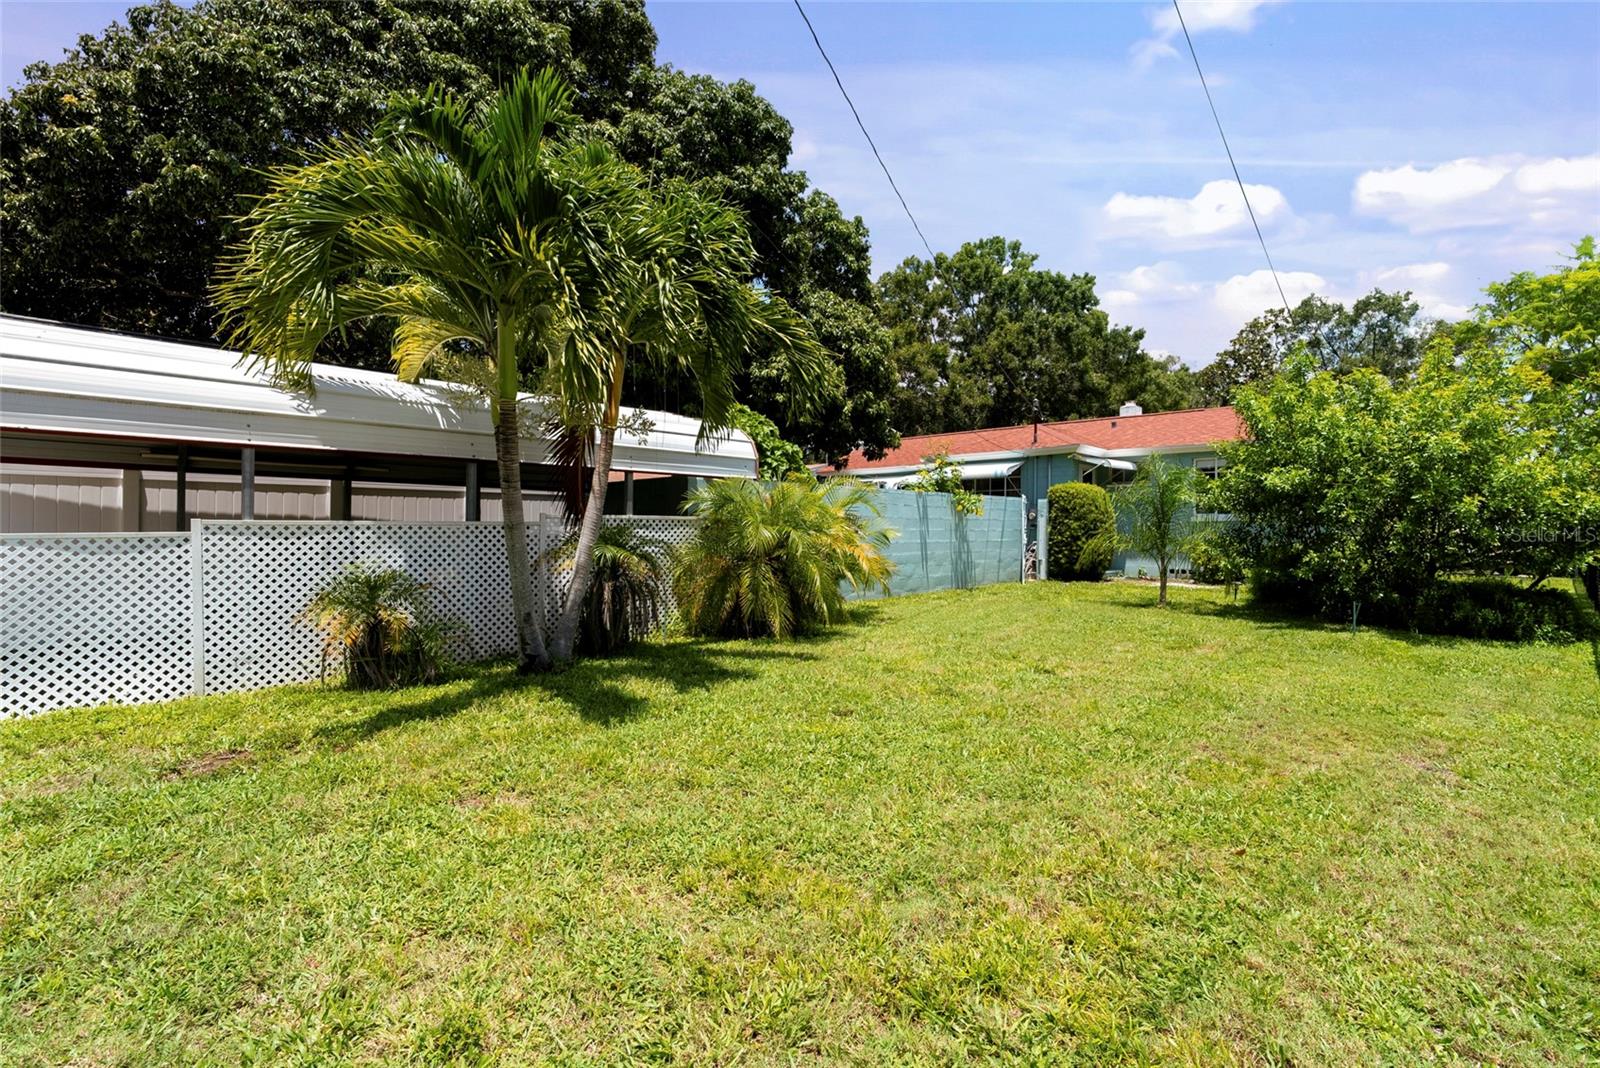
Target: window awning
[
  {"x": 994, "y": 469},
  {"x": 1115, "y": 465},
  {"x": 969, "y": 472}
]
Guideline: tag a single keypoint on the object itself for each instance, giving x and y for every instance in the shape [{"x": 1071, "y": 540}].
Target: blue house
[{"x": 1025, "y": 461}]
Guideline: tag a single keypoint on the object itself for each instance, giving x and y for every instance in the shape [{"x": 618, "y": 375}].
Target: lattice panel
[
  {"x": 97, "y": 618},
  {"x": 92, "y": 619},
  {"x": 257, "y": 577}
]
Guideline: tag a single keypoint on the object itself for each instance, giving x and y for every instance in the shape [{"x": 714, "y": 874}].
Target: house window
[
  {"x": 1009, "y": 486},
  {"x": 1108, "y": 476},
  {"x": 1208, "y": 467}
]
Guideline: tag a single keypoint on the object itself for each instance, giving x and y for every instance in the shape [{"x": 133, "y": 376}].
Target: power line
[
  {"x": 863, "y": 126},
  {"x": 1218, "y": 119}
]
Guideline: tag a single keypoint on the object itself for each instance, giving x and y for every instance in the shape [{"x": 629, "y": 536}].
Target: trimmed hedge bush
[{"x": 1082, "y": 536}]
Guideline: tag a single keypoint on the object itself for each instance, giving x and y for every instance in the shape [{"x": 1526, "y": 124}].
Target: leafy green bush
[
  {"x": 1491, "y": 608},
  {"x": 1082, "y": 532},
  {"x": 778, "y": 458},
  {"x": 377, "y": 620},
  {"x": 1494, "y": 608},
  {"x": 627, "y": 594},
  {"x": 770, "y": 558},
  {"x": 1211, "y": 556},
  {"x": 943, "y": 475}
]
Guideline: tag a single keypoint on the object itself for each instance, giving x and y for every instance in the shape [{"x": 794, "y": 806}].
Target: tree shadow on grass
[{"x": 594, "y": 688}]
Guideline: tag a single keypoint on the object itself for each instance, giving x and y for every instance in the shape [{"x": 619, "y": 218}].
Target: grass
[{"x": 1025, "y": 825}]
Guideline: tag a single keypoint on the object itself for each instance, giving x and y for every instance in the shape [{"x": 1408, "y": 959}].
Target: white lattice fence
[
  {"x": 91, "y": 619},
  {"x": 97, "y": 618},
  {"x": 256, "y": 577}
]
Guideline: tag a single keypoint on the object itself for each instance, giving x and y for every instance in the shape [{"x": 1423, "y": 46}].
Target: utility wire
[
  {"x": 1218, "y": 119},
  {"x": 843, "y": 92}
]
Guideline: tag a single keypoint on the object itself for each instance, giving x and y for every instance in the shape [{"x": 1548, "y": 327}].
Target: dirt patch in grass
[{"x": 208, "y": 764}]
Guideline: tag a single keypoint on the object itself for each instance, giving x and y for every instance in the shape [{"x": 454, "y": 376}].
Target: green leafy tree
[
  {"x": 1382, "y": 331},
  {"x": 806, "y": 250},
  {"x": 1083, "y": 532},
  {"x": 1156, "y": 514},
  {"x": 1549, "y": 322},
  {"x": 1362, "y": 493},
  {"x": 773, "y": 558},
  {"x": 776, "y": 457},
  {"x": 984, "y": 338},
  {"x": 940, "y": 474},
  {"x": 127, "y": 162}
]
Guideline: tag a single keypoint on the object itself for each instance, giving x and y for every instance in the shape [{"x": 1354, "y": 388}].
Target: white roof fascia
[{"x": 63, "y": 379}]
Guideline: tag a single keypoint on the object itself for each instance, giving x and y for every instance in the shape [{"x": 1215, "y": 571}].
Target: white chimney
[{"x": 1131, "y": 408}]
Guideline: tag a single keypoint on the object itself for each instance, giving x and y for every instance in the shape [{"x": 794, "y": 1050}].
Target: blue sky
[{"x": 1433, "y": 146}]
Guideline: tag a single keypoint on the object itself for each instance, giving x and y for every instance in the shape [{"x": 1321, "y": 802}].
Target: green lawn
[{"x": 1028, "y": 825}]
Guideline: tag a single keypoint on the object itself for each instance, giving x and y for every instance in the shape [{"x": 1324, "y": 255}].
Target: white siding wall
[
  {"x": 217, "y": 497},
  {"x": 36, "y": 498}
]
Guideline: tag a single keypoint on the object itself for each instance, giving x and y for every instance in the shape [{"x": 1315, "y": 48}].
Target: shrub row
[{"x": 1491, "y": 608}]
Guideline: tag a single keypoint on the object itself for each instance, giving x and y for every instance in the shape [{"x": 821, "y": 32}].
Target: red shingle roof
[{"x": 1193, "y": 426}]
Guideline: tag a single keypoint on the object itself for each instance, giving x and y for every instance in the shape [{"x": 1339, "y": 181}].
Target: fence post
[
  {"x": 1042, "y": 554},
  {"x": 197, "y": 614},
  {"x": 1022, "y": 528}
]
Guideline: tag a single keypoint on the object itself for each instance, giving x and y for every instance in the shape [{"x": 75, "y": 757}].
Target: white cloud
[
  {"x": 1238, "y": 16},
  {"x": 1217, "y": 210},
  {"x": 1555, "y": 193},
  {"x": 1560, "y": 176},
  {"x": 1143, "y": 287},
  {"x": 1202, "y": 15},
  {"x": 1245, "y": 296}
]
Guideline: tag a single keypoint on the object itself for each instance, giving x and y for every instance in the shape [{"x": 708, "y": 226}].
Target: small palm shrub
[
  {"x": 772, "y": 558},
  {"x": 626, "y": 598},
  {"x": 377, "y": 621},
  {"x": 1082, "y": 536}
]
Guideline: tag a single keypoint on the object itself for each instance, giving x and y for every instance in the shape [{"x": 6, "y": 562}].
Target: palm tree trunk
[
  {"x": 1161, "y": 598},
  {"x": 531, "y": 653},
  {"x": 561, "y": 644}
]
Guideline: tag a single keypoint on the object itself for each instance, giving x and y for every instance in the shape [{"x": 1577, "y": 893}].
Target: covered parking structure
[{"x": 102, "y": 431}]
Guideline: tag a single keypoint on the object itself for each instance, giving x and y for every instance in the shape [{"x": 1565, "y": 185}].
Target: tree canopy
[
  {"x": 983, "y": 337},
  {"x": 1382, "y": 331},
  {"x": 128, "y": 162}
]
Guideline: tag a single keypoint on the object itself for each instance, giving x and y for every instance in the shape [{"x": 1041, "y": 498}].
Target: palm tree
[
  {"x": 476, "y": 231},
  {"x": 1157, "y": 514},
  {"x": 627, "y": 596},
  {"x": 677, "y": 294},
  {"x": 378, "y": 621},
  {"x": 771, "y": 558}
]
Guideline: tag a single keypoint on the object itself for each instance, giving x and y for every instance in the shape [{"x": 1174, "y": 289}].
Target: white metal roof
[{"x": 69, "y": 380}]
